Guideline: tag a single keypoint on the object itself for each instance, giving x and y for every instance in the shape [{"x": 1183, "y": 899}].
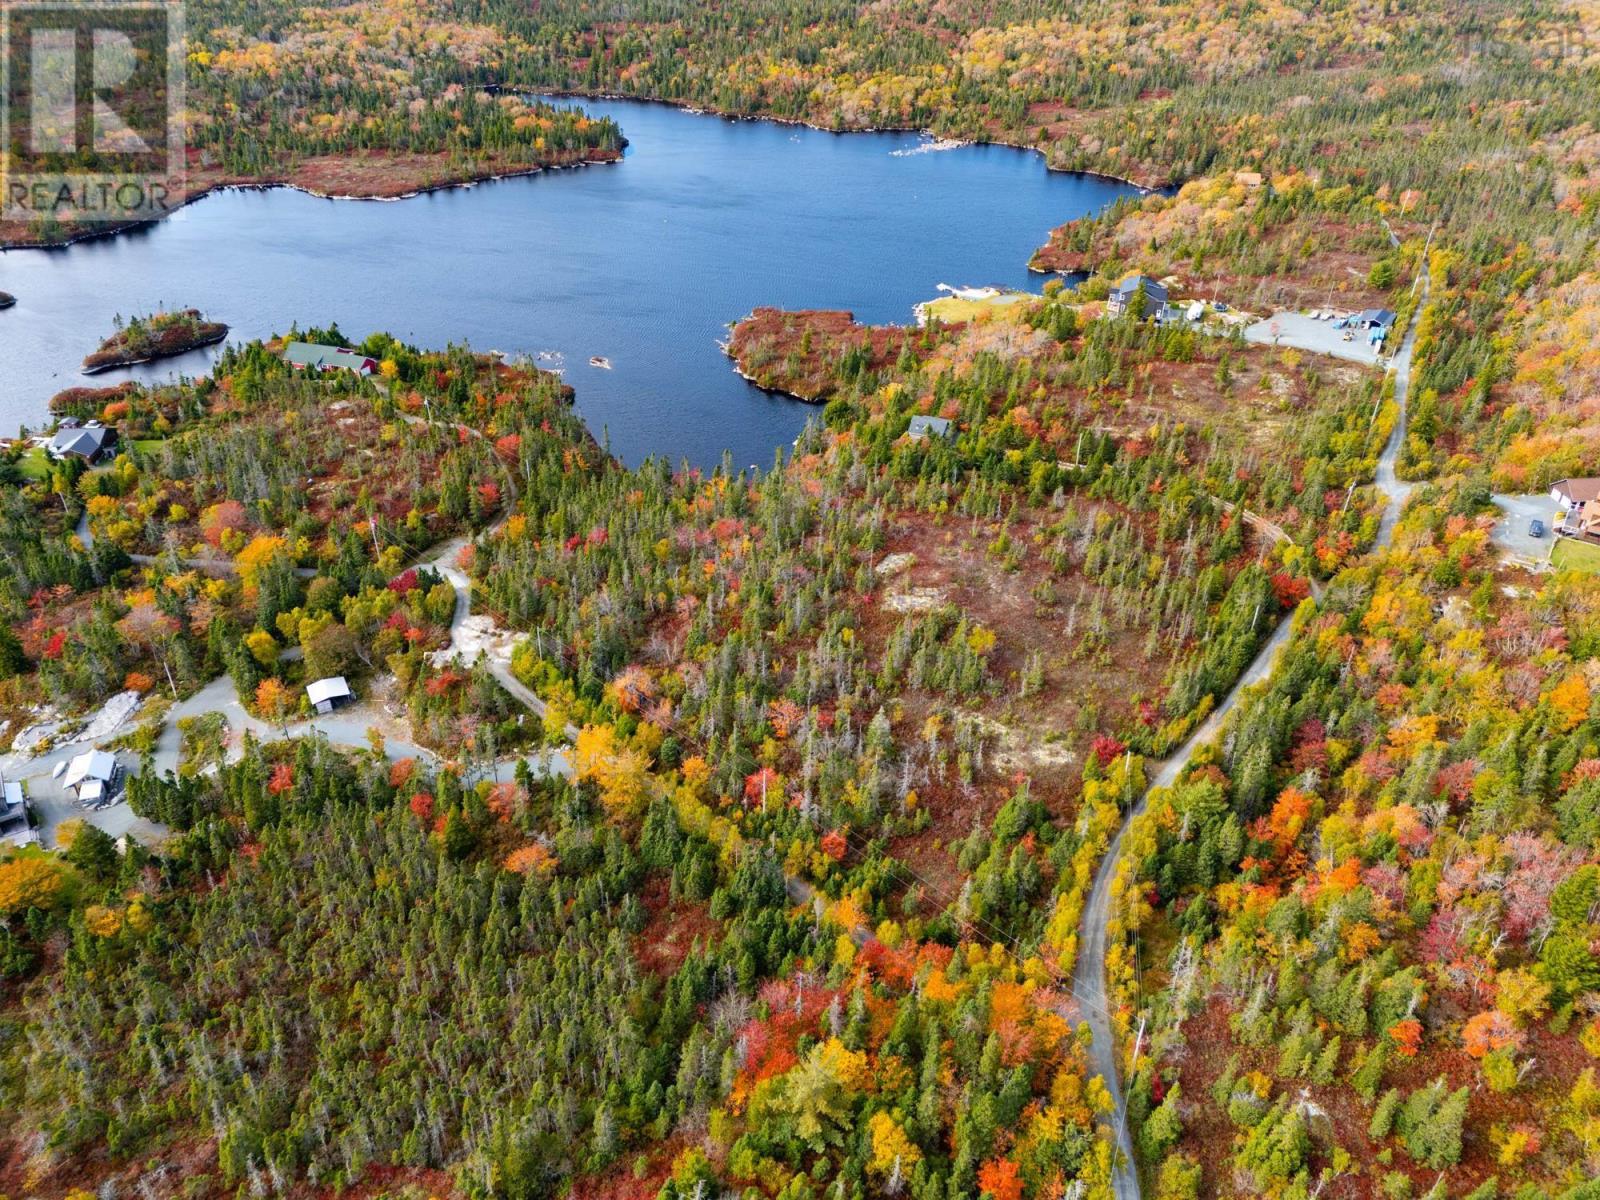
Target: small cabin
[
  {"x": 921, "y": 427},
  {"x": 92, "y": 776},
  {"x": 328, "y": 694}
]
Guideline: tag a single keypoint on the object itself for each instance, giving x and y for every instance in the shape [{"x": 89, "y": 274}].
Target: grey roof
[
  {"x": 1131, "y": 283},
  {"x": 320, "y": 691},
  {"x": 10, "y": 796},
  {"x": 309, "y": 354},
  {"x": 85, "y": 440},
  {"x": 922, "y": 426},
  {"x": 1375, "y": 316}
]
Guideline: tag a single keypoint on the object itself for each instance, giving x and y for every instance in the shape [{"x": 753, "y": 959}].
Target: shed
[
  {"x": 327, "y": 694},
  {"x": 921, "y": 427},
  {"x": 90, "y": 774},
  {"x": 309, "y": 356}
]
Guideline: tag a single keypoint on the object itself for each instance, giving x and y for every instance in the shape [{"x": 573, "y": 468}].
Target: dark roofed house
[
  {"x": 1121, "y": 297},
  {"x": 16, "y": 826},
  {"x": 87, "y": 442},
  {"x": 308, "y": 356},
  {"x": 921, "y": 427},
  {"x": 1376, "y": 321}
]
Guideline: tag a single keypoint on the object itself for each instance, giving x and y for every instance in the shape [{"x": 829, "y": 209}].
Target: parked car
[{"x": 1536, "y": 528}]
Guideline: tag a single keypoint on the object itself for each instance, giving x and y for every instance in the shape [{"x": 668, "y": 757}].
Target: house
[
  {"x": 303, "y": 356},
  {"x": 86, "y": 442},
  {"x": 92, "y": 776},
  {"x": 1575, "y": 493},
  {"x": 1577, "y": 505},
  {"x": 16, "y": 826},
  {"x": 1121, "y": 297},
  {"x": 328, "y": 694},
  {"x": 921, "y": 427}
]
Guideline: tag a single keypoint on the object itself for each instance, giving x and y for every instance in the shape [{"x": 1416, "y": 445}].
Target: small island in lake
[{"x": 160, "y": 335}]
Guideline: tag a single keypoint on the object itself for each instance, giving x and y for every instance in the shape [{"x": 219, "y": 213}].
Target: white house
[
  {"x": 92, "y": 775},
  {"x": 327, "y": 694}
]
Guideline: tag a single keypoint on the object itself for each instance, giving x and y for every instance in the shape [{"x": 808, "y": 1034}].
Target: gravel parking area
[
  {"x": 1300, "y": 332},
  {"x": 1510, "y": 531}
]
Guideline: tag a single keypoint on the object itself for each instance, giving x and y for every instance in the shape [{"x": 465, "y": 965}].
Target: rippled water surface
[{"x": 643, "y": 263}]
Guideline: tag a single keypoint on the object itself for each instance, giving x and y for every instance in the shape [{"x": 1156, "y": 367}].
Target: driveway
[
  {"x": 1300, "y": 332},
  {"x": 1510, "y": 531}
]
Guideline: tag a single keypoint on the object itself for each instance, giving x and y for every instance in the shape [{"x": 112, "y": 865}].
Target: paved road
[{"x": 1089, "y": 971}]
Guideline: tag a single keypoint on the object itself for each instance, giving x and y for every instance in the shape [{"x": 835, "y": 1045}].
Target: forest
[{"x": 842, "y": 743}]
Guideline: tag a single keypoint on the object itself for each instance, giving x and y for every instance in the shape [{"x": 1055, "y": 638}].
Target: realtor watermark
[{"x": 91, "y": 110}]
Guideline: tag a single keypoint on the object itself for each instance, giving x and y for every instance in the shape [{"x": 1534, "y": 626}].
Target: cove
[{"x": 643, "y": 263}]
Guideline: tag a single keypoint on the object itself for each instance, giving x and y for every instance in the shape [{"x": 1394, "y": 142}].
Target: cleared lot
[{"x": 1300, "y": 332}]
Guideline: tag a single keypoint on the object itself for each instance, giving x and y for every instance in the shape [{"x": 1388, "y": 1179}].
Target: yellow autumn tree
[
  {"x": 29, "y": 881},
  {"x": 621, "y": 771},
  {"x": 890, "y": 1145},
  {"x": 259, "y": 551},
  {"x": 102, "y": 921}
]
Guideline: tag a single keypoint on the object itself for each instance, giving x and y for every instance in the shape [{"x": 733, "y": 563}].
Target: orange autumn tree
[
  {"x": 1488, "y": 1032},
  {"x": 999, "y": 1179},
  {"x": 274, "y": 701}
]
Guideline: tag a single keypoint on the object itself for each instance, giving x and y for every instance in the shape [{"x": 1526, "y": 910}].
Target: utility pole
[{"x": 1122, "y": 1119}]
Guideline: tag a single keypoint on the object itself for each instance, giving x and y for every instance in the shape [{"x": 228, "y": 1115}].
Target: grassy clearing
[
  {"x": 1571, "y": 555},
  {"x": 35, "y": 464},
  {"x": 954, "y": 310}
]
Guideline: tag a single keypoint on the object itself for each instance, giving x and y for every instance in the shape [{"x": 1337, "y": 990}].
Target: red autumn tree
[{"x": 834, "y": 844}]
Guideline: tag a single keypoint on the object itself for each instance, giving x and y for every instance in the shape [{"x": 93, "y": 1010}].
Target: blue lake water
[{"x": 644, "y": 263}]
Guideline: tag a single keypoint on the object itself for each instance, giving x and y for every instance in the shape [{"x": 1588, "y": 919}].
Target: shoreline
[
  {"x": 802, "y": 123},
  {"x": 116, "y": 228},
  {"x": 210, "y": 339},
  {"x": 112, "y": 229}
]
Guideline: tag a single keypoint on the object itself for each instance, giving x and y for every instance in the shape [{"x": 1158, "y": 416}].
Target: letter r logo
[{"x": 55, "y": 110}]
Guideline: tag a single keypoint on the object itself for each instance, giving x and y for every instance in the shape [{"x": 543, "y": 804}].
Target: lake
[{"x": 643, "y": 263}]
